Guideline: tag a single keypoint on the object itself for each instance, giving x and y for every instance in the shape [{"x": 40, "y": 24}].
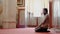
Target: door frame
[{"x": 50, "y": 13}]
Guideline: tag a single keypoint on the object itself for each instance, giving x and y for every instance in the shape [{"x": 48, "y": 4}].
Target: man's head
[{"x": 45, "y": 11}]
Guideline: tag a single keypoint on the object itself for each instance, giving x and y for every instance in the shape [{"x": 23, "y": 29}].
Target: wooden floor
[{"x": 24, "y": 31}]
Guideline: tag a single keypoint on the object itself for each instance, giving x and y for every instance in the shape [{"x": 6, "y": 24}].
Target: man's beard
[{"x": 45, "y": 13}]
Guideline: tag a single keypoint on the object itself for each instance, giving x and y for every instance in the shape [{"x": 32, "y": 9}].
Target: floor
[{"x": 24, "y": 31}]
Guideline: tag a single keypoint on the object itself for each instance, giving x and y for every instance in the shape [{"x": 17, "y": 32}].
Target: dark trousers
[{"x": 41, "y": 29}]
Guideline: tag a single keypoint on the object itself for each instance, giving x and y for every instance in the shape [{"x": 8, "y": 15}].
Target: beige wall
[
  {"x": 10, "y": 10},
  {"x": 1, "y": 10},
  {"x": 9, "y": 13}
]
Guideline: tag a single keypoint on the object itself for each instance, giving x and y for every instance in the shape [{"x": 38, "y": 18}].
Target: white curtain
[
  {"x": 56, "y": 14},
  {"x": 33, "y": 9}
]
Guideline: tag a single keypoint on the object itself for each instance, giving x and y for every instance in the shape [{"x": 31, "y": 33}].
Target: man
[{"x": 44, "y": 25}]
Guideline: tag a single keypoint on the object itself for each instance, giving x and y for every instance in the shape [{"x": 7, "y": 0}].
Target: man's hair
[{"x": 46, "y": 10}]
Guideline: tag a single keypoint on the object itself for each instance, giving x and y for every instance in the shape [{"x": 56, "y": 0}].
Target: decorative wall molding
[
  {"x": 20, "y": 8},
  {"x": 50, "y": 0},
  {"x": 21, "y": 3},
  {"x": 8, "y": 22}
]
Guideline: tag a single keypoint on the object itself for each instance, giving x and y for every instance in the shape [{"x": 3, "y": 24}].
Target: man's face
[{"x": 44, "y": 11}]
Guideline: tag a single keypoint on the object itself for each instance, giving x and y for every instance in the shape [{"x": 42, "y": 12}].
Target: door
[{"x": 21, "y": 18}]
